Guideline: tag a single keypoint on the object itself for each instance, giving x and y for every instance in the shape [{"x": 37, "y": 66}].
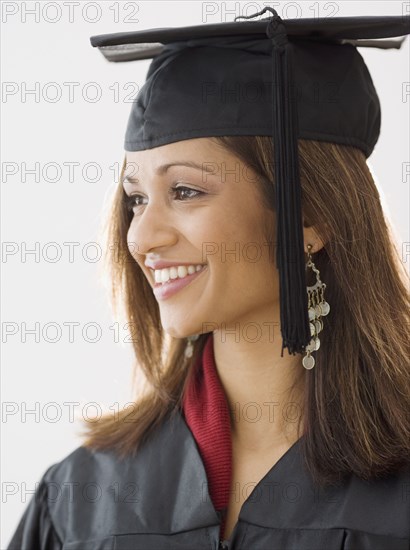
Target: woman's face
[{"x": 218, "y": 222}]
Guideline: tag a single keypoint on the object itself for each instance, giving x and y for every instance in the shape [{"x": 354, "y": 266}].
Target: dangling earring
[
  {"x": 189, "y": 350},
  {"x": 317, "y": 307}
]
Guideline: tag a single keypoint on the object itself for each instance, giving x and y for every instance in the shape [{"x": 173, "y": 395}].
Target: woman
[{"x": 233, "y": 443}]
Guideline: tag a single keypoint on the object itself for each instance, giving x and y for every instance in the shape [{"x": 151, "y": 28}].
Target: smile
[
  {"x": 168, "y": 281},
  {"x": 175, "y": 272}
]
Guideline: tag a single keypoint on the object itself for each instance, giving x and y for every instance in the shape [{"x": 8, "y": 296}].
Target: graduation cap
[{"x": 190, "y": 92}]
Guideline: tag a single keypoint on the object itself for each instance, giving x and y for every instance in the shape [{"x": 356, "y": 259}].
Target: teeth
[{"x": 175, "y": 272}]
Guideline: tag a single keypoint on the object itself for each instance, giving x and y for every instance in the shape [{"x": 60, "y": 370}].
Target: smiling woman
[{"x": 224, "y": 260}]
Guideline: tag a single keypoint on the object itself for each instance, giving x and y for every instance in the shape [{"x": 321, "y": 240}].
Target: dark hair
[{"x": 356, "y": 399}]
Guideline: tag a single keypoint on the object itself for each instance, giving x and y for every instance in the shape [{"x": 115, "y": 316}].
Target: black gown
[{"x": 159, "y": 500}]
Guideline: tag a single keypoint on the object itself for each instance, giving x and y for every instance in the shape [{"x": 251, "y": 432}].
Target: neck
[{"x": 264, "y": 390}]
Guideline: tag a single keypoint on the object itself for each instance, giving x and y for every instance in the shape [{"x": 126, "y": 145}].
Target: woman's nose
[{"x": 152, "y": 229}]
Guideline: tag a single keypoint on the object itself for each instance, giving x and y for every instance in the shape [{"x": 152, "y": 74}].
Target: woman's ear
[{"x": 310, "y": 236}]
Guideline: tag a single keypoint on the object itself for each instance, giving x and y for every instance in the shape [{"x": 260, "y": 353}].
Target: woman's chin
[{"x": 182, "y": 331}]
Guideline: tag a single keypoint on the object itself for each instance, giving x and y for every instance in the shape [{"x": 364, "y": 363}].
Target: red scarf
[{"x": 206, "y": 412}]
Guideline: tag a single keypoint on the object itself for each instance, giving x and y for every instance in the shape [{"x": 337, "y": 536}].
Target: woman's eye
[
  {"x": 132, "y": 200},
  {"x": 182, "y": 189}
]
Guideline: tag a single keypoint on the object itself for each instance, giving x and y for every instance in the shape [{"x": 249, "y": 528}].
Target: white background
[{"x": 34, "y": 49}]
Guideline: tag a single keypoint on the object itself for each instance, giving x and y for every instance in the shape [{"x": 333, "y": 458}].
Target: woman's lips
[{"x": 163, "y": 291}]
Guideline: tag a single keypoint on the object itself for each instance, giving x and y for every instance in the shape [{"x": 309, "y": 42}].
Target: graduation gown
[{"x": 159, "y": 500}]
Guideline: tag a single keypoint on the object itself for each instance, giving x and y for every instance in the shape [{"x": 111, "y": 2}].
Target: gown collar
[{"x": 206, "y": 412}]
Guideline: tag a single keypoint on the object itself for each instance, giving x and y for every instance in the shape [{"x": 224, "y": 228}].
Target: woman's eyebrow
[
  {"x": 208, "y": 167},
  {"x": 204, "y": 166}
]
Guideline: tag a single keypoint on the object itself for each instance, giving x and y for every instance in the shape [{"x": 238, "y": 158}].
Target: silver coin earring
[
  {"x": 317, "y": 308},
  {"x": 189, "y": 349}
]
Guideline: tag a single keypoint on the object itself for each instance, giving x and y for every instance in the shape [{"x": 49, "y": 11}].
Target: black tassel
[{"x": 290, "y": 259}]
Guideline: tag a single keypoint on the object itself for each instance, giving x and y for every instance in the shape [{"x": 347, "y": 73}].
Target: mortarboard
[{"x": 287, "y": 63}]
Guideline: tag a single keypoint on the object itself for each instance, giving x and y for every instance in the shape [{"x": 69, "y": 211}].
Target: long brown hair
[{"x": 356, "y": 399}]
